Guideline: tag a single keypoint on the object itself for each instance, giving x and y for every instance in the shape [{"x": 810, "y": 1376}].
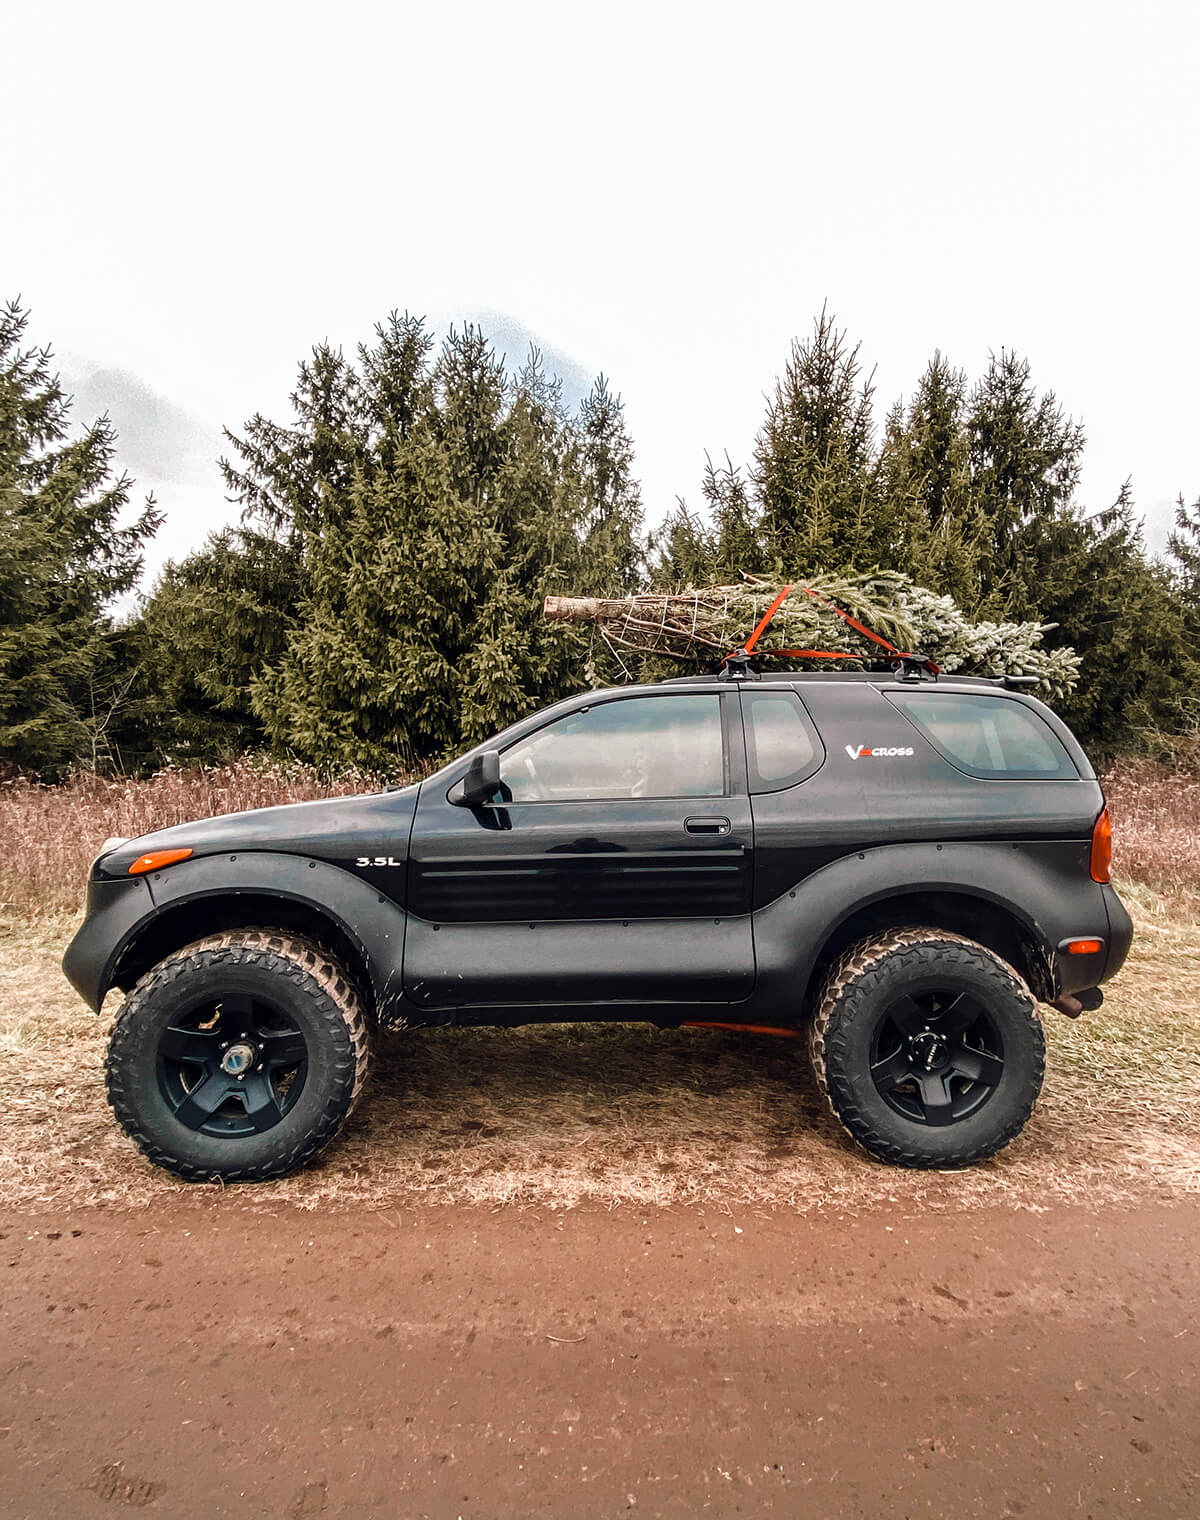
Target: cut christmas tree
[{"x": 703, "y": 625}]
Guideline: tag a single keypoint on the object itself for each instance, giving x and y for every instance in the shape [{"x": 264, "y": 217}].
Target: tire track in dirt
[{"x": 201, "y": 1360}]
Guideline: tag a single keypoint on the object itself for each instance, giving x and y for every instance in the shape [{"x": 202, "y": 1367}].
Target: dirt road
[{"x": 208, "y": 1359}]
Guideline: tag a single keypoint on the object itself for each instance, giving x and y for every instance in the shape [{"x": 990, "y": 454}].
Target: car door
[{"x": 614, "y": 863}]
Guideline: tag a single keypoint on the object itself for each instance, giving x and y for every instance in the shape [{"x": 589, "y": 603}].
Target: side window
[
  {"x": 782, "y": 747},
  {"x": 662, "y": 746},
  {"x": 992, "y": 737}
]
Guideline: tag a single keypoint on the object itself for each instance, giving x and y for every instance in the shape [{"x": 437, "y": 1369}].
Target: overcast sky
[{"x": 192, "y": 196}]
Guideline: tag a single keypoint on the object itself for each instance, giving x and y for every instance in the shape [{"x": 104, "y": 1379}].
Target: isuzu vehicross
[{"x": 906, "y": 865}]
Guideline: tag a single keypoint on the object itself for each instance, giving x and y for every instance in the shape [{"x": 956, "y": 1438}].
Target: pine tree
[
  {"x": 816, "y": 473},
  {"x": 209, "y": 628},
  {"x": 926, "y": 474},
  {"x": 1025, "y": 459},
  {"x": 559, "y": 499},
  {"x": 357, "y": 682},
  {"x": 611, "y": 530},
  {"x": 290, "y": 478},
  {"x": 64, "y": 558},
  {"x": 714, "y": 546},
  {"x": 1183, "y": 548},
  {"x": 471, "y": 495},
  {"x": 1120, "y": 613}
]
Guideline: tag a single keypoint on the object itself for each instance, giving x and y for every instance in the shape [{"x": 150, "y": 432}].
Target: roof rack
[
  {"x": 905, "y": 667},
  {"x": 878, "y": 674}
]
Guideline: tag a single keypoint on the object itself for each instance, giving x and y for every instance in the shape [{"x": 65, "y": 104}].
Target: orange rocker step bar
[{"x": 787, "y": 1034}]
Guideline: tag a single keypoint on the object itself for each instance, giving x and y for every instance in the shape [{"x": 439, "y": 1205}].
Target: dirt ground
[{"x": 205, "y": 1358}]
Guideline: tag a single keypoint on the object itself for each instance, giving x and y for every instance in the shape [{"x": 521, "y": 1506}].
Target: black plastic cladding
[{"x": 611, "y": 909}]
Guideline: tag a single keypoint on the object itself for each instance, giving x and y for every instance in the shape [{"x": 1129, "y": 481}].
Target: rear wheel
[
  {"x": 239, "y": 1056},
  {"x": 928, "y": 1047}
]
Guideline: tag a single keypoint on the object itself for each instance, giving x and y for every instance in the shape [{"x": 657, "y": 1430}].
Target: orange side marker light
[
  {"x": 1085, "y": 946},
  {"x": 156, "y": 860}
]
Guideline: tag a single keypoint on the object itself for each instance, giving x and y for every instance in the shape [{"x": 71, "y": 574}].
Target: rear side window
[
  {"x": 782, "y": 747},
  {"x": 986, "y": 736}
]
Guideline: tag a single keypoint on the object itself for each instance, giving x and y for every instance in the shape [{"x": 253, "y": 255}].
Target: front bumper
[{"x": 114, "y": 911}]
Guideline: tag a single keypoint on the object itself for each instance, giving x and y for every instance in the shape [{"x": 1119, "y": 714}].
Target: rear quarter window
[
  {"x": 995, "y": 738},
  {"x": 782, "y": 747}
]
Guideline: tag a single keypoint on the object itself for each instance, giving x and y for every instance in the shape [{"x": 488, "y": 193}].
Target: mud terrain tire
[
  {"x": 928, "y": 1048},
  {"x": 296, "y": 1023}
]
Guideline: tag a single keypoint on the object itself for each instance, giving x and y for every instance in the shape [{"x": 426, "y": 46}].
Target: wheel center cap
[
  {"x": 928, "y": 1048},
  {"x": 238, "y": 1059}
]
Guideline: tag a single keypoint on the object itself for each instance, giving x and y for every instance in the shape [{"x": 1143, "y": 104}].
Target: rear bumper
[
  {"x": 1078, "y": 973},
  {"x": 1120, "y": 932},
  {"x": 114, "y": 910}
]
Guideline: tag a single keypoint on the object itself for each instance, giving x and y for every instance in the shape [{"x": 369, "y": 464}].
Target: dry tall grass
[
  {"x": 1156, "y": 825},
  {"x": 52, "y": 833}
]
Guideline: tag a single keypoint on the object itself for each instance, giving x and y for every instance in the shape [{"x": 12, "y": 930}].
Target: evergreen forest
[{"x": 376, "y": 601}]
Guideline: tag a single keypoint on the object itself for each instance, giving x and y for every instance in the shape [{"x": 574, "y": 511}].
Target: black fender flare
[
  {"x": 370, "y": 921},
  {"x": 1044, "y": 888}
]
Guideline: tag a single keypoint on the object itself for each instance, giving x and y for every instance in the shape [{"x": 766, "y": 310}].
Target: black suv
[{"x": 907, "y": 864}]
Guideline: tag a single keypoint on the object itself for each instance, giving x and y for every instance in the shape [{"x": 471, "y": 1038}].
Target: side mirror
[{"x": 480, "y": 783}]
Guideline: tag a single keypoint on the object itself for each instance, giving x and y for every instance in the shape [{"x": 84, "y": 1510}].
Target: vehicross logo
[{"x": 860, "y": 752}]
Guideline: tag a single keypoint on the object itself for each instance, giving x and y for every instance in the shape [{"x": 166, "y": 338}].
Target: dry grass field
[
  {"x": 611, "y": 1115},
  {"x": 51, "y": 833}
]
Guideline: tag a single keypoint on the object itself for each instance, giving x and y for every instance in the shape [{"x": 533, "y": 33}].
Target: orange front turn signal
[
  {"x": 1085, "y": 946},
  {"x": 1102, "y": 848},
  {"x": 156, "y": 860}
]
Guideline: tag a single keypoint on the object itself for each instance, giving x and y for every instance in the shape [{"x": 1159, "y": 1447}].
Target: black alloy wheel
[
  {"x": 937, "y": 1056},
  {"x": 232, "y": 1069}
]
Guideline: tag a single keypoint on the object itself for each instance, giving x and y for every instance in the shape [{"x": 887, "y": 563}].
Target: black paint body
[{"x": 721, "y": 907}]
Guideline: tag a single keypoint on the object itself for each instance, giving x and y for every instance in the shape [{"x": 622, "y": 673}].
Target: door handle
[{"x": 706, "y": 825}]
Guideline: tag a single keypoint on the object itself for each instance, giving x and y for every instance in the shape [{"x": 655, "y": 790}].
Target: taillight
[{"x": 1102, "y": 848}]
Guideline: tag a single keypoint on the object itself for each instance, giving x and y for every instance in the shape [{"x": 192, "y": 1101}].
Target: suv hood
[{"x": 336, "y": 829}]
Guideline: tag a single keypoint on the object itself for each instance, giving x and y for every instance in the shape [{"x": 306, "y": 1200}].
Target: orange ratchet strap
[{"x": 815, "y": 654}]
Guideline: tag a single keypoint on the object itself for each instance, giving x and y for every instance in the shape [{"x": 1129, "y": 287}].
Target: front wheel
[
  {"x": 239, "y": 1056},
  {"x": 928, "y": 1048}
]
